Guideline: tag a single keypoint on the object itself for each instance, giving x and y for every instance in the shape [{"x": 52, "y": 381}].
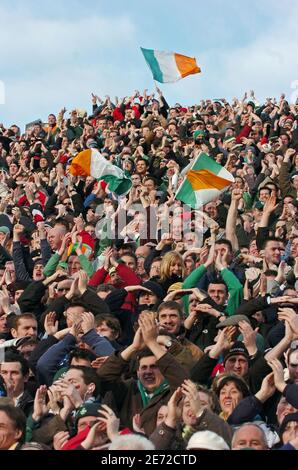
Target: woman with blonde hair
[{"x": 171, "y": 270}]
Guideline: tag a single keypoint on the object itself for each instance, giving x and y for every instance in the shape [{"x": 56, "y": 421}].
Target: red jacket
[
  {"x": 243, "y": 133},
  {"x": 129, "y": 278}
]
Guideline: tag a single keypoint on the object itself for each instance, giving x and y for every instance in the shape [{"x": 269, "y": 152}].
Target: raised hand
[
  {"x": 50, "y": 323},
  {"x": 60, "y": 439},
  {"x": 40, "y": 408},
  {"x": 289, "y": 316},
  {"x": 98, "y": 362},
  {"x": 18, "y": 229},
  {"x": 69, "y": 390},
  {"x": 148, "y": 327},
  {"x": 270, "y": 205},
  {"x": 138, "y": 341},
  {"x": 82, "y": 282},
  {"x": 267, "y": 389},
  {"x": 95, "y": 437},
  {"x": 174, "y": 410},
  {"x": 224, "y": 341},
  {"x": 87, "y": 323},
  {"x": 278, "y": 374},
  {"x": 249, "y": 337},
  {"x": 110, "y": 420},
  {"x": 65, "y": 243},
  {"x": 191, "y": 392},
  {"x": 74, "y": 289}
]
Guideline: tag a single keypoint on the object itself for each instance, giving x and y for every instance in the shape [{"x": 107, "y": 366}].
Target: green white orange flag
[
  {"x": 168, "y": 67},
  {"x": 204, "y": 181},
  {"x": 91, "y": 162}
]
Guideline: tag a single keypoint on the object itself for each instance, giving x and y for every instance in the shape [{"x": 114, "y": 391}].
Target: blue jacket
[{"x": 56, "y": 356}]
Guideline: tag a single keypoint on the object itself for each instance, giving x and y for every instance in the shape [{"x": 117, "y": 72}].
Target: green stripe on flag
[
  {"x": 118, "y": 186},
  {"x": 204, "y": 162},
  {"x": 187, "y": 195},
  {"x": 153, "y": 64}
]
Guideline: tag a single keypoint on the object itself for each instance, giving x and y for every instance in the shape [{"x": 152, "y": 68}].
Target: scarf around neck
[{"x": 146, "y": 397}]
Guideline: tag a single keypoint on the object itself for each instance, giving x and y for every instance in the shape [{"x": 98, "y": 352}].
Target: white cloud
[
  {"x": 52, "y": 62},
  {"x": 267, "y": 64}
]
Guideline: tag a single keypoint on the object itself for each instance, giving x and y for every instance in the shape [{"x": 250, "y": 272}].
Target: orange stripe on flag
[
  {"x": 204, "y": 179},
  {"x": 186, "y": 65},
  {"x": 80, "y": 165}
]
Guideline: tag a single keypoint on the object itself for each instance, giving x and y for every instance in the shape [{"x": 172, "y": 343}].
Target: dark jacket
[
  {"x": 203, "y": 331},
  {"x": 30, "y": 300},
  {"x": 166, "y": 438},
  {"x": 201, "y": 372},
  {"x": 127, "y": 395},
  {"x": 26, "y": 403}
]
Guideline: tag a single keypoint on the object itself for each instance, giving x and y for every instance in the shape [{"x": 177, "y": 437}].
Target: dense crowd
[{"x": 136, "y": 321}]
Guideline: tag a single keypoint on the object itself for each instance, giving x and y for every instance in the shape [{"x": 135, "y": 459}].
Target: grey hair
[
  {"x": 250, "y": 424},
  {"x": 132, "y": 442}
]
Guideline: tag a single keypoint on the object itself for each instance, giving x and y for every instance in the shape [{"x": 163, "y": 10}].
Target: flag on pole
[
  {"x": 204, "y": 181},
  {"x": 168, "y": 67},
  {"x": 91, "y": 162}
]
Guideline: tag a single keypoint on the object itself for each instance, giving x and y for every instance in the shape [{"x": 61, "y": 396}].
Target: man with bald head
[
  {"x": 249, "y": 436},
  {"x": 55, "y": 236}
]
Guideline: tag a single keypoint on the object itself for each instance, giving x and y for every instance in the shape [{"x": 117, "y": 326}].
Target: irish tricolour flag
[
  {"x": 91, "y": 162},
  {"x": 204, "y": 181},
  {"x": 169, "y": 67}
]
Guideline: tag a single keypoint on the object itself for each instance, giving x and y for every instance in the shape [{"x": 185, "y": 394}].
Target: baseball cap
[{"x": 154, "y": 287}]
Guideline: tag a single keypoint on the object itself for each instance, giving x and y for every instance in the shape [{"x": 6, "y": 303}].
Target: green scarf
[{"x": 145, "y": 395}]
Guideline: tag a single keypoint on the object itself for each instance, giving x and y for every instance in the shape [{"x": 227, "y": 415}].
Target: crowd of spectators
[{"x": 136, "y": 321}]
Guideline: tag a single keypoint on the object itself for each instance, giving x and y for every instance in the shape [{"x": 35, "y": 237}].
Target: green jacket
[
  {"x": 54, "y": 262},
  {"x": 234, "y": 286}
]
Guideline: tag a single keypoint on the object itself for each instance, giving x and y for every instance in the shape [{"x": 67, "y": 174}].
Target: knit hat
[
  {"x": 237, "y": 349},
  {"x": 38, "y": 261},
  {"x": 60, "y": 373},
  {"x": 4, "y": 229},
  {"x": 207, "y": 440},
  {"x": 155, "y": 288},
  {"x": 87, "y": 409},
  {"x": 87, "y": 244},
  {"x": 259, "y": 205},
  {"x": 37, "y": 216},
  {"x": 287, "y": 419},
  {"x": 229, "y": 139}
]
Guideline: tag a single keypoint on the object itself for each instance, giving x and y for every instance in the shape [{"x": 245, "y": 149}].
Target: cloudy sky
[{"x": 54, "y": 54}]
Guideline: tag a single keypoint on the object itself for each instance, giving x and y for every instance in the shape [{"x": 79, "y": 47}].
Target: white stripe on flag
[
  {"x": 168, "y": 66},
  {"x": 100, "y": 166}
]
